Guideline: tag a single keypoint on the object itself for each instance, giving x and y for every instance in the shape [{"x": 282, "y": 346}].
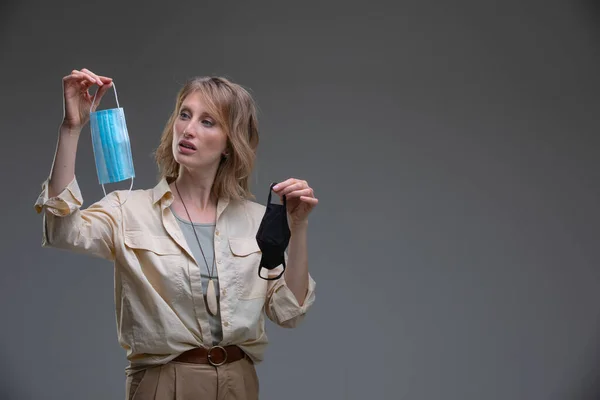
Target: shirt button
[
  {"x": 217, "y": 232},
  {"x": 225, "y": 323},
  {"x": 219, "y": 261}
]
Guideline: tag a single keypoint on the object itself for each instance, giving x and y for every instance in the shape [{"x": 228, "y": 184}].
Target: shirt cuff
[
  {"x": 64, "y": 204},
  {"x": 289, "y": 307}
]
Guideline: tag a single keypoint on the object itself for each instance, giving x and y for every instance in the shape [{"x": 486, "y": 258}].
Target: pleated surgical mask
[{"x": 110, "y": 141}]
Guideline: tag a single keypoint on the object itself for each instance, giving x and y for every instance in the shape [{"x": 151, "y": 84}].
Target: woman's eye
[
  {"x": 183, "y": 115},
  {"x": 207, "y": 122}
]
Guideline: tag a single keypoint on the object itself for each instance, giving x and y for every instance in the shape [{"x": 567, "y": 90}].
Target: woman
[{"x": 190, "y": 305}]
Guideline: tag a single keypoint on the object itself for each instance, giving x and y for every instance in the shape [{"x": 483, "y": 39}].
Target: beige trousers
[{"x": 183, "y": 381}]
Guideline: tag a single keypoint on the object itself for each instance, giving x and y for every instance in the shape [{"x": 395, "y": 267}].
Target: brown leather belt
[{"x": 216, "y": 355}]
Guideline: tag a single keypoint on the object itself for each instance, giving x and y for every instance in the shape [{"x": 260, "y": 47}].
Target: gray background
[{"x": 453, "y": 147}]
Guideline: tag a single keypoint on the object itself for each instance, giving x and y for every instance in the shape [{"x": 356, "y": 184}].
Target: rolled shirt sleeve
[
  {"x": 283, "y": 308},
  {"x": 67, "y": 226}
]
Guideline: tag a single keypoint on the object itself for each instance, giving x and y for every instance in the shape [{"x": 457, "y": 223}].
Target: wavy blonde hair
[{"x": 235, "y": 110}]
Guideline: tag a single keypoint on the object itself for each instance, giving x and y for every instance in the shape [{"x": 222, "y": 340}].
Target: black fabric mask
[{"x": 273, "y": 236}]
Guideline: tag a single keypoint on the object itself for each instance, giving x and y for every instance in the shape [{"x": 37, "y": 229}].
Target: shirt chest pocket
[
  {"x": 246, "y": 257},
  {"x": 161, "y": 263}
]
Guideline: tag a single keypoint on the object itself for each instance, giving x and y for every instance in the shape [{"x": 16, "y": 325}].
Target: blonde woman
[{"x": 190, "y": 305}]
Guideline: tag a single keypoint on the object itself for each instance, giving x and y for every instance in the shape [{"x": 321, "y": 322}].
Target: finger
[
  {"x": 283, "y": 184},
  {"x": 105, "y": 79},
  {"x": 298, "y": 193},
  {"x": 311, "y": 200},
  {"x": 80, "y": 83},
  {"x": 100, "y": 93},
  {"x": 86, "y": 83},
  {"x": 93, "y": 75},
  {"x": 84, "y": 75},
  {"x": 291, "y": 188},
  {"x": 79, "y": 77}
]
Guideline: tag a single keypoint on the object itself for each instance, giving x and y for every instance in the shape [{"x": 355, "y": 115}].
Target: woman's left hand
[{"x": 300, "y": 199}]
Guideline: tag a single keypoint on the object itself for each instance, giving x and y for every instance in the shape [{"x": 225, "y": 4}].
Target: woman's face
[{"x": 198, "y": 140}]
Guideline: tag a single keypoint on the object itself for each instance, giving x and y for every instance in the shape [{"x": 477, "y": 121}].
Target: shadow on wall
[
  {"x": 7, "y": 10},
  {"x": 587, "y": 385},
  {"x": 7, "y": 7},
  {"x": 591, "y": 12},
  {"x": 588, "y": 388},
  {"x": 10, "y": 387}
]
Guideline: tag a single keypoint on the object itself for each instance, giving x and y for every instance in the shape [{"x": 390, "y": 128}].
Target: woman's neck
[{"x": 195, "y": 191}]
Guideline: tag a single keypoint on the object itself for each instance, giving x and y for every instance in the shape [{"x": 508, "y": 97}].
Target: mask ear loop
[
  {"x": 285, "y": 227},
  {"x": 91, "y": 108}
]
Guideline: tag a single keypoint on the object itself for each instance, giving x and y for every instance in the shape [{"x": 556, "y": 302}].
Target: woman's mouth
[{"x": 186, "y": 147}]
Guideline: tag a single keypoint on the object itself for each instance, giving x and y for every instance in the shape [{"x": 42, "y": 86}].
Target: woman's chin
[
  {"x": 192, "y": 164},
  {"x": 183, "y": 159}
]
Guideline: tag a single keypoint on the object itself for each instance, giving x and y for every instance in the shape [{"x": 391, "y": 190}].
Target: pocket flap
[
  {"x": 157, "y": 244},
  {"x": 243, "y": 246}
]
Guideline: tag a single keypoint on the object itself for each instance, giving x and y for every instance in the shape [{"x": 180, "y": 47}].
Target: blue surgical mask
[{"x": 110, "y": 140}]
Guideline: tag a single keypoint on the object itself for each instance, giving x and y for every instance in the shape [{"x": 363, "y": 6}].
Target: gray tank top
[{"x": 206, "y": 236}]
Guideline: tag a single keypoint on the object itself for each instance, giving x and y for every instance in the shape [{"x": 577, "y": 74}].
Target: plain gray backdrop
[{"x": 453, "y": 146}]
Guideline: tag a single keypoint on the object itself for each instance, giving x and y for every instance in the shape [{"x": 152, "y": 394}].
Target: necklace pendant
[{"x": 211, "y": 298}]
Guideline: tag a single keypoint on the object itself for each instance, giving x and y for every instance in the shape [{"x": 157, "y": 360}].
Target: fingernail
[{"x": 275, "y": 187}]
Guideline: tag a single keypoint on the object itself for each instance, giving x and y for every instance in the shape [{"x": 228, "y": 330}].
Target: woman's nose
[{"x": 188, "y": 131}]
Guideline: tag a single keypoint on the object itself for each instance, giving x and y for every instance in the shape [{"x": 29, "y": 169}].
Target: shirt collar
[
  {"x": 163, "y": 190},
  {"x": 160, "y": 190}
]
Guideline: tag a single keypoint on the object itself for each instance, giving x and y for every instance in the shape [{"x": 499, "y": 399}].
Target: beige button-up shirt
[{"x": 159, "y": 303}]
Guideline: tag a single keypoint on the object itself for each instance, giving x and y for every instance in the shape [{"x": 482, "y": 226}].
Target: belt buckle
[{"x": 210, "y": 359}]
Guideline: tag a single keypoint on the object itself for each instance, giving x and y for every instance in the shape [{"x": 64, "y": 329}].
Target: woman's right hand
[{"x": 77, "y": 98}]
